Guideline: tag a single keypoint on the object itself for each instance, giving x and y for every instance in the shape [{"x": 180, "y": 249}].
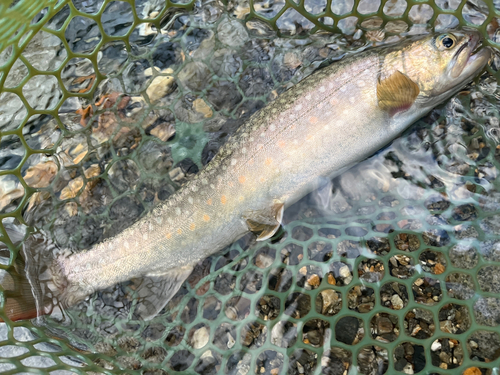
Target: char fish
[{"x": 331, "y": 120}]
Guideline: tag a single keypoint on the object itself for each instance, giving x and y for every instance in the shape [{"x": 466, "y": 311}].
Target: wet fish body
[{"x": 331, "y": 120}]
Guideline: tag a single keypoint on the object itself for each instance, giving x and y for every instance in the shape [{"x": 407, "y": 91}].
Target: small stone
[
  {"x": 365, "y": 307},
  {"x": 344, "y": 271},
  {"x": 331, "y": 279},
  {"x": 232, "y": 33},
  {"x": 439, "y": 269},
  {"x": 397, "y": 302},
  {"x": 330, "y": 300},
  {"x": 472, "y": 371},
  {"x": 436, "y": 345},
  {"x": 314, "y": 281},
  {"x": 384, "y": 325},
  {"x": 418, "y": 282},
  {"x": 161, "y": 85},
  {"x": 200, "y": 106},
  {"x": 200, "y": 338},
  {"x": 230, "y": 341}
]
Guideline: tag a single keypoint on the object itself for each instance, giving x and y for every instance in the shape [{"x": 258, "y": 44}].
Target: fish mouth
[{"x": 470, "y": 58}]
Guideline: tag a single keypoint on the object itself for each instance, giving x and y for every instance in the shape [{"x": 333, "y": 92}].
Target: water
[{"x": 399, "y": 232}]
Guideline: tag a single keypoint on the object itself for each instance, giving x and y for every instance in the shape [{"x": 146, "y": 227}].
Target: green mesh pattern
[{"x": 392, "y": 269}]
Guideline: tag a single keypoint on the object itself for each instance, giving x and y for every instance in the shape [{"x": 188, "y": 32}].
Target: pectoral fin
[
  {"x": 396, "y": 93},
  {"x": 267, "y": 222},
  {"x": 154, "y": 291}
]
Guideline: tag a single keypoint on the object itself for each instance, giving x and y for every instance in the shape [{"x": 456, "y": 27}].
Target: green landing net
[{"x": 107, "y": 107}]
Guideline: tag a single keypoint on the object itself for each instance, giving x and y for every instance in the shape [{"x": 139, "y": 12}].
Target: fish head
[
  {"x": 426, "y": 70},
  {"x": 442, "y": 63}
]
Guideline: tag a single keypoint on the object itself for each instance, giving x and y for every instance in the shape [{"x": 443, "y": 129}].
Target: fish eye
[{"x": 447, "y": 41}]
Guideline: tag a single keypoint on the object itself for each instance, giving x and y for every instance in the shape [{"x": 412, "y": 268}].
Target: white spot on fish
[
  {"x": 204, "y": 181},
  {"x": 361, "y": 83},
  {"x": 298, "y": 107},
  {"x": 190, "y": 200},
  {"x": 251, "y": 139},
  {"x": 352, "y": 100},
  {"x": 345, "y": 111},
  {"x": 272, "y": 127},
  {"x": 233, "y": 161},
  {"x": 126, "y": 244},
  {"x": 322, "y": 89},
  {"x": 145, "y": 236},
  {"x": 177, "y": 211},
  {"x": 343, "y": 88},
  {"x": 159, "y": 220},
  {"x": 243, "y": 150},
  {"x": 330, "y": 85},
  {"x": 308, "y": 97},
  {"x": 212, "y": 186},
  {"x": 170, "y": 220},
  {"x": 262, "y": 134},
  {"x": 194, "y": 188}
]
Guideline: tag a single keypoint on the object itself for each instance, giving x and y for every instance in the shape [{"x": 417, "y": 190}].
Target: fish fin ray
[
  {"x": 154, "y": 291},
  {"x": 265, "y": 223},
  {"x": 397, "y": 92}
]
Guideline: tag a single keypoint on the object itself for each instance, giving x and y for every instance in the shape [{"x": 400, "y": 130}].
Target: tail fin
[
  {"x": 24, "y": 296},
  {"x": 18, "y": 300}
]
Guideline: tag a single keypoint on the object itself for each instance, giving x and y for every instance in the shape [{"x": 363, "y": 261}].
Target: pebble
[
  {"x": 232, "y": 33},
  {"x": 397, "y": 302},
  {"x": 194, "y": 75},
  {"x": 200, "y": 338}
]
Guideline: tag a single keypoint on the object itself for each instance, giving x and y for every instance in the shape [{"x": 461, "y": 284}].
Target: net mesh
[{"x": 107, "y": 107}]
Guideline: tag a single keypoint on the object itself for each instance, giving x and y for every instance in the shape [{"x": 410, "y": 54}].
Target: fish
[{"x": 328, "y": 122}]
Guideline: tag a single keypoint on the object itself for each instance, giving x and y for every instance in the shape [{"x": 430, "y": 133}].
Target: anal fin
[
  {"x": 154, "y": 291},
  {"x": 265, "y": 223}
]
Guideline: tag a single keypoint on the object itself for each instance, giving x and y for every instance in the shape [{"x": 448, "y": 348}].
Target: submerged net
[{"x": 107, "y": 107}]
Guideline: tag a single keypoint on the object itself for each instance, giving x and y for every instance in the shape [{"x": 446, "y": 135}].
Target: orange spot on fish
[
  {"x": 231, "y": 184},
  {"x": 251, "y": 161},
  {"x": 192, "y": 226},
  {"x": 206, "y": 218},
  {"x": 209, "y": 202},
  {"x": 179, "y": 231},
  {"x": 309, "y": 137},
  {"x": 313, "y": 120},
  {"x": 281, "y": 144},
  {"x": 262, "y": 179},
  {"x": 241, "y": 198},
  {"x": 169, "y": 236},
  {"x": 242, "y": 179},
  {"x": 268, "y": 161},
  {"x": 223, "y": 199}
]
